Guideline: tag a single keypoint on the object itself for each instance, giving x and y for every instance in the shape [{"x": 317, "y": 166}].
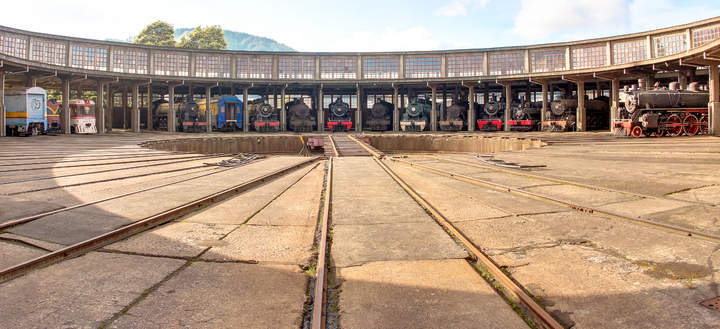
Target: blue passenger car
[
  {"x": 25, "y": 111},
  {"x": 227, "y": 112}
]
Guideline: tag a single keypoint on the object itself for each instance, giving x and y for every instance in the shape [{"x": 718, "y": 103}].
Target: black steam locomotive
[
  {"x": 525, "y": 116},
  {"x": 491, "y": 118},
  {"x": 455, "y": 116},
  {"x": 339, "y": 119},
  {"x": 662, "y": 111},
  {"x": 264, "y": 116},
  {"x": 416, "y": 115},
  {"x": 562, "y": 114},
  {"x": 300, "y": 116},
  {"x": 189, "y": 118},
  {"x": 380, "y": 115}
]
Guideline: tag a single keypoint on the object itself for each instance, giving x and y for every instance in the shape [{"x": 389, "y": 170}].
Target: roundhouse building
[{"x": 133, "y": 76}]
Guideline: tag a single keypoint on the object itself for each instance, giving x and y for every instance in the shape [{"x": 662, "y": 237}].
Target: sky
[{"x": 369, "y": 25}]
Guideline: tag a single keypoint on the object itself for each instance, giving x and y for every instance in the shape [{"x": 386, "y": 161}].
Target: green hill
[{"x": 243, "y": 41}]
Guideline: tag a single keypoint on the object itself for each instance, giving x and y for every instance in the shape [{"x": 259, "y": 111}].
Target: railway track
[
  {"x": 595, "y": 210},
  {"x": 538, "y": 314},
  {"x": 123, "y": 232}
]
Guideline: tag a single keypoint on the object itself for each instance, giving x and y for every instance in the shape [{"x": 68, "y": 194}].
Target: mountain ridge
[{"x": 243, "y": 41}]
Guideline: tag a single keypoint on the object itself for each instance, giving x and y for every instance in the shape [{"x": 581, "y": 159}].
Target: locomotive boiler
[
  {"x": 455, "y": 116},
  {"x": 300, "y": 116},
  {"x": 265, "y": 117},
  {"x": 416, "y": 115},
  {"x": 663, "y": 112},
  {"x": 339, "y": 119},
  {"x": 491, "y": 117},
  {"x": 380, "y": 115}
]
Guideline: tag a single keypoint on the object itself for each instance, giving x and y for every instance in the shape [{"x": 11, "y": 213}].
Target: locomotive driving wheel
[
  {"x": 704, "y": 127},
  {"x": 691, "y": 125},
  {"x": 636, "y": 131},
  {"x": 674, "y": 126}
]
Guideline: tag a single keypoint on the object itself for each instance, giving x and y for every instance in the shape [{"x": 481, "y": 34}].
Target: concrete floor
[{"x": 242, "y": 262}]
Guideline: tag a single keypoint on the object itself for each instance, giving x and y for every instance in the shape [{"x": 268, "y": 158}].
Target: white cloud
[
  {"x": 459, "y": 7},
  {"x": 537, "y": 20}
]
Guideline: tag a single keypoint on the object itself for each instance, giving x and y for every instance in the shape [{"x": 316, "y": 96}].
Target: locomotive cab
[{"x": 82, "y": 116}]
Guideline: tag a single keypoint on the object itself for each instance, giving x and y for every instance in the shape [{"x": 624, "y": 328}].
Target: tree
[
  {"x": 157, "y": 34},
  {"x": 211, "y": 37}
]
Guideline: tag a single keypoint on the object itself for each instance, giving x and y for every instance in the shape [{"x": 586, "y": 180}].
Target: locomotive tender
[
  {"x": 380, "y": 115},
  {"x": 25, "y": 111},
  {"x": 300, "y": 116},
  {"x": 416, "y": 115},
  {"x": 339, "y": 119},
  {"x": 663, "y": 111}
]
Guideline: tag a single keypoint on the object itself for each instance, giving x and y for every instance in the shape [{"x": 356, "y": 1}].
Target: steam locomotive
[
  {"x": 380, "y": 115},
  {"x": 416, "y": 115},
  {"x": 455, "y": 116},
  {"x": 189, "y": 118},
  {"x": 264, "y": 117},
  {"x": 491, "y": 117},
  {"x": 525, "y": 116},
  {"x": 561, "y": 116},
  {"x": 300, "y": 116},
  {"x": 662, "y": 111},
  {"x": 339, "y": 119}
]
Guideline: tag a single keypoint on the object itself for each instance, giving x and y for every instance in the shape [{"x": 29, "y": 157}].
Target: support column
[
  {"x": 508, "y": 105},
  {"x": 100, "y": 109},
  {"x": 614, "y": 100},
  {"x": 471, "y": 108},
  {"x": 110, "y": 109},
  {"x": 171, "y": 120},
  {"x": 714, "y": 106},
  {"x": 2, "y": 104},
  {"x": 148, "y": 114},
  {"x": 246, "y": 111},
  {"x": 580, "y": 112},
  {"x": 124, "y": 107},
  {"x": 135, "y": 114},
  {"x": 208, "y": 110},
  {"x": 358, "y": 113},
  {"x": 283, "y": 110},
  {"x": 433, "y": 110},
  {"x": 396, "y": 110},
  {"x": 544, "y": 102},
  {"x": 320, "y": 109},
  {"x": 65, "y": 114}
]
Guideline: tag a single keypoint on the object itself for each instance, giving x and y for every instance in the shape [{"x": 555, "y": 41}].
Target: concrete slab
[
  {"x": 238, "y": 210},
  {"x": 708, "y": 194},
  {"x": 359, "y": 244},
  {"x": 591, "y": 289},
  {"x": 212, "y": 295},
  {"x": 274, "y": 244},
  {"x": 644, "y": 207},
  {"x": 581, "y": 194},
  {"x": 12, "y": 253},
  {"x": 12, "y": 207},
  {"x": 176, "y": 239},
  {"x": 42, "y": 244},
  {"x": 299, "y": 205},
  {"x": 79, "y": 293},
  {"x": 697, "y": 217},
  {"x": 421, "y": 294},
  {"x": 70, "y": 227}
]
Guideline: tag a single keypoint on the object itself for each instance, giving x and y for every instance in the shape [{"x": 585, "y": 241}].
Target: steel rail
[
  {"x": 540, "y": 313},
  {"x": 568, "y": 204},
  {"x": 549, "y": 179},
  {"x": 547, "y": 320},
  {"x": 97, "y": 158},
  {"x": 334, "y": 147},
  {"x": 319, "y": 313},
  {"x": 102, "y": 240},
  {"x": 195, "y": 157},
  {"x": 22, "y": 220},
  {"x": 375, "y": 152}
]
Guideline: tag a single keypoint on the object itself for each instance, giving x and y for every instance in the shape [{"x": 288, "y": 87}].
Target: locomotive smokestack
[{"x": 642, "y": 84}]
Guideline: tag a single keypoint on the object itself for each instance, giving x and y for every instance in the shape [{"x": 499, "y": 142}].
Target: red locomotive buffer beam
[
  {"x": 339, "y": 125},
  {"x": 524, "y": 125},
  {"x": 490, "y": 125}
]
